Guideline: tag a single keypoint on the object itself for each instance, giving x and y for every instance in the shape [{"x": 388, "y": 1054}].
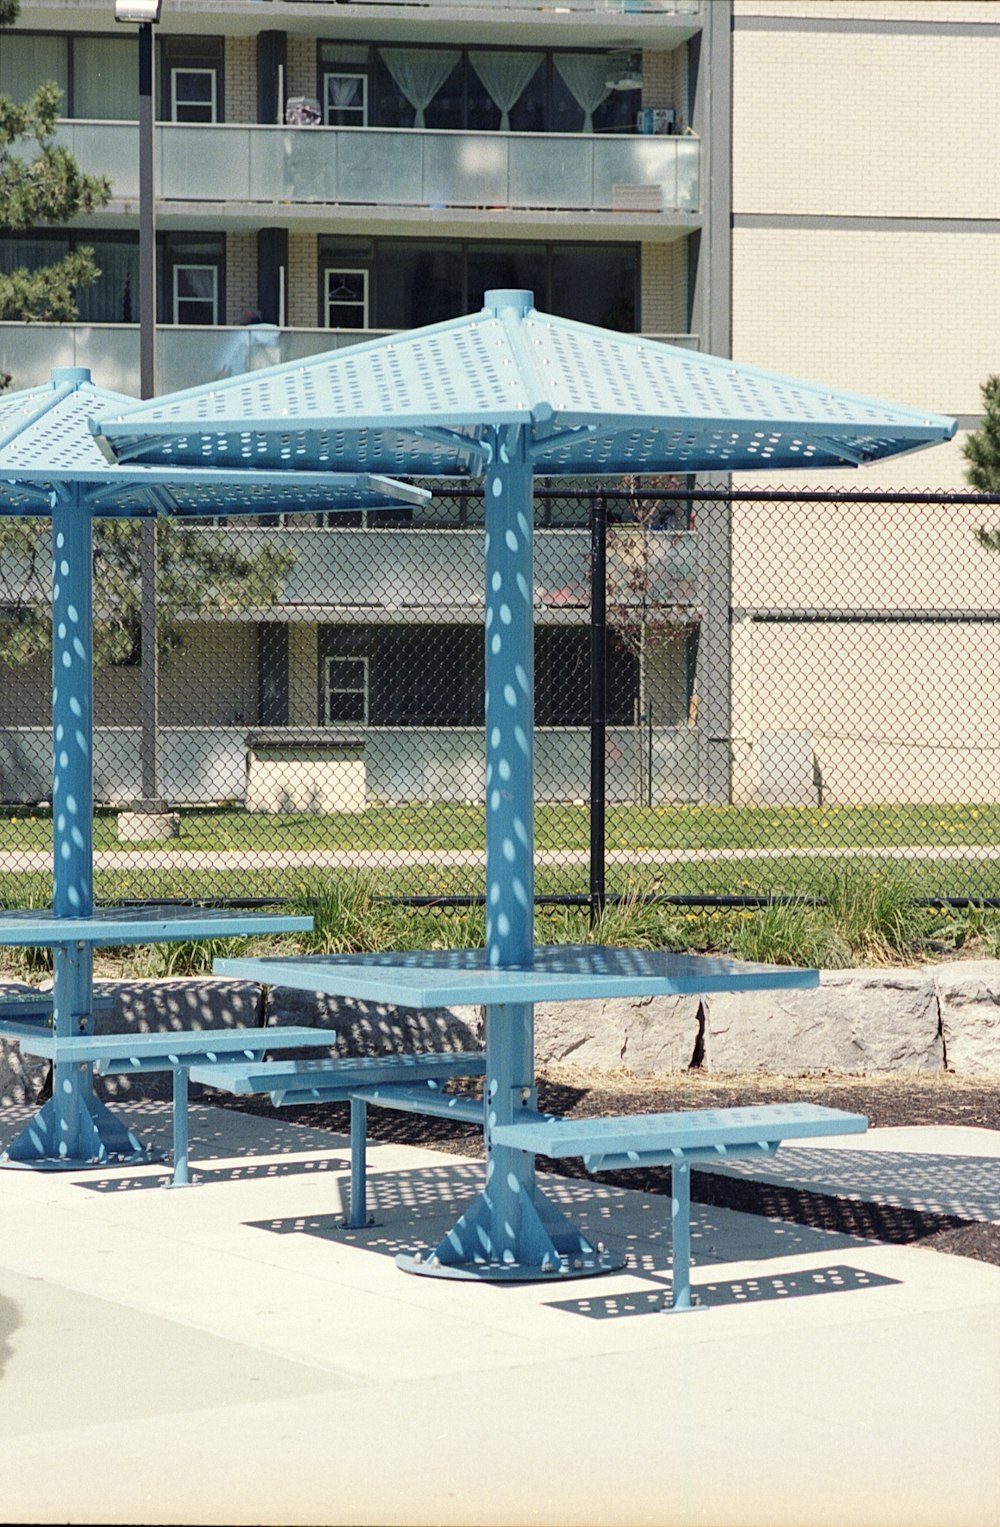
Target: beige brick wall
[
  {"x": 664, "y": 288},
  {"x": 241, "y": 275},
  {"x": 664, "y": 79},
  {"x": 895, "y": 713},
  {"x": 909, "y": 316},
  {"x": 301, "y": 300},
  {"x": 301, "y": 66},
  {"x": 874, "y": 10},
  {"x": 241, "y": 79},
  {"x": 866, "y": 124}
]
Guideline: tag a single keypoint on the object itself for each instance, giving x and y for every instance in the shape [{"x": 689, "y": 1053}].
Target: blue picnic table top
[
  {"x": 558, "y": 973},
  {"x": 142, "y": 925}
]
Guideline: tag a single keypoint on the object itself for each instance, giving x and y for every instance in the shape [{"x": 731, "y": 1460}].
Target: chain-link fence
[{"x": 788, "y": 678}]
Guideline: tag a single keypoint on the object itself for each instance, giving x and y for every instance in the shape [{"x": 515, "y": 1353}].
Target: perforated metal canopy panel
[
  {"x": 48, "y": 447},
  {"x": 593, "y": 402}
]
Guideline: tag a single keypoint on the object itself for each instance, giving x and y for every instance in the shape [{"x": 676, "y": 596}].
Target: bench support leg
[
  {"x": 358, "y": 1216},
  {"x": 680, "y": 1211},
  {"x": 181, "y": 1177}
]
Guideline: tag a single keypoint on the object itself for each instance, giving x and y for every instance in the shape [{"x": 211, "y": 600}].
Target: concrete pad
[
  {"x": 944, "y": 1170},
  {"x": 227, "y": 1353}
]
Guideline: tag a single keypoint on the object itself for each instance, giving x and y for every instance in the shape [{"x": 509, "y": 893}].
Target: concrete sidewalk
[{"x": 228, "y": 1354}]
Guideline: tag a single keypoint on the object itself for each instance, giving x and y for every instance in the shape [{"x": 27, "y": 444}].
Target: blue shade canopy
[
  {"x": 594, "y": 403},
  {"x": 47, "y": 447}
]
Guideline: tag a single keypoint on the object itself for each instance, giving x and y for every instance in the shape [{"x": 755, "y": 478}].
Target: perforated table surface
[
  {"x": 563, "y": 972},
  {"x": 141, "y": 925}
]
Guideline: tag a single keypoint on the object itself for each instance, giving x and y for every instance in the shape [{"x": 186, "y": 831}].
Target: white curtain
[
  {"x": 115, "y": 295},
  {"x": 420, "y": 73},
  {"x": 25, "y": 62},
  {"x": 105, "y": 79},
  {"x": 342, "y": 91},
  {"x": 586, "y": 78},
  {"x": 506, "y": 76}
]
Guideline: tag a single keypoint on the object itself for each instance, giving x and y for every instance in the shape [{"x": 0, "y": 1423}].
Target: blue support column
[
  {"x": 74, "y": 1128},
  {"x": 510, "y": 1232}
]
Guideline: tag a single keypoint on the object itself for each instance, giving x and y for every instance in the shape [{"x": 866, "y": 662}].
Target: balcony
[
  {"x": 289, "y": 169},
  {"x": 185, "y": 357},
  {"x": 371, "y": 575}
]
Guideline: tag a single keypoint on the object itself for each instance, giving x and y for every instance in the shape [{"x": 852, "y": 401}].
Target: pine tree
[
  {"x": 982, "y": 449},
  {"x": 41, "y": 183}
]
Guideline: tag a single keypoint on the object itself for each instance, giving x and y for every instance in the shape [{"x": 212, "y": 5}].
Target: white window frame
[
  {"x": 345, "y": 74},
  {"x": 330, "y": 274},
  {"x": 177, "y": 299},
  {"x": 330, "y": 689},
  {"x": 175, "y": 101}
]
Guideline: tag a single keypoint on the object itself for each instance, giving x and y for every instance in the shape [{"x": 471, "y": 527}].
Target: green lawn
[{"x": 628, "y": 828}]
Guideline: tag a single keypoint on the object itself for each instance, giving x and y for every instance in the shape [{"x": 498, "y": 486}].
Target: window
[
  {"x": 191, "y": 75},
  {"x": 346, "y": 298},
  {"x": 195, "y": 294},
  {"x": 193, "y": 95},
  {"x": 394, "y": 283},
  {"x": 345, "y": 690},
  {"x": 345, "y": 99}
]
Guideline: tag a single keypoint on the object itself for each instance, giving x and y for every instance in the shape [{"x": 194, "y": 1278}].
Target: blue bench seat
[
  {"x": 408, "y": 1082},
  {"x": 176, "y": 1051},
  {"x": 677, "y": 1140}
]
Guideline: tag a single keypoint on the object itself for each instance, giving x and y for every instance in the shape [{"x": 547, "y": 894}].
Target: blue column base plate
[
  {"x": 101, "y": 1140},
  {"x": 545, "y": 1249}
]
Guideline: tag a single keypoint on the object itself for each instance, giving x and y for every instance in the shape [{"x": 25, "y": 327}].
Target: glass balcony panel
[
  {"x": 196, "y": 165},
  {"x": 390, "y": 159},
  {"x": 551, "y": 171},
  {"x": 104, "y": 149},
  {"x": 185, "y": 357},
  {"x": 645, "y": 162},
  {"x": 465, "y": 170},
  {"x": 394, "y": 167},
  {"x": 688, "y": 174}
]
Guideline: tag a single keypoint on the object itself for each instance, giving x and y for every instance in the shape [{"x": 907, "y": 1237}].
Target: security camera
[{"x": 137, "y": 10}]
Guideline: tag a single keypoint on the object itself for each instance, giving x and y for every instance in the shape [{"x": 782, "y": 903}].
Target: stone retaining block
[
  {"x": 854, "y": 1022},
  {"x": 374, "y": 1028},
  {"x": 21, "y": 1076}
]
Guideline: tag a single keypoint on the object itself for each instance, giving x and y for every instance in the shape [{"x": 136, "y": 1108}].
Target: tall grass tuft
[{"x": 873, "y": 912}]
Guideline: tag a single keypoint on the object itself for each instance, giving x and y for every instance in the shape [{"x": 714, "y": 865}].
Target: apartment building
[
  {"x": 806, "y": 184},
  {"x": 331, "y": 172}
]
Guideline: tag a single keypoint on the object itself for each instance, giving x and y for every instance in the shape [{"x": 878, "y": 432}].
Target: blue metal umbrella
[
  {"x": 511, "y": 392},
  {"x": 51, "y": 465}
]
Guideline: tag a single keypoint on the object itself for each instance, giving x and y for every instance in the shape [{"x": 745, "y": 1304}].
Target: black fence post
[{"x": 598, "y": 698}]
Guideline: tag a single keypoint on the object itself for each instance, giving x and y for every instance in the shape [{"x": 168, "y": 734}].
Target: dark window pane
[
  {"x": 418, "y": 284},
  {"x": 521, "y": 266},
  {"x": 596, "y": 285}
]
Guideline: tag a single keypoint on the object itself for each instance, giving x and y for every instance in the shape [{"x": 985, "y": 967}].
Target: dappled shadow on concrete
[
  {"x": 835, "y": 1279},
  {"x": 207, "y": 1176}
]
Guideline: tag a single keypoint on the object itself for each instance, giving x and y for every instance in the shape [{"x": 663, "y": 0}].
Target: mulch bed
[{"x": 925, "y": 1099}]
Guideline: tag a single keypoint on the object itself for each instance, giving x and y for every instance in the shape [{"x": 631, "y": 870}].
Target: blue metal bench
[
  {"x": 408, "y": 1082},
  {"x": 179, "y": 1053},
  {"x": 676, "y": 1140}
]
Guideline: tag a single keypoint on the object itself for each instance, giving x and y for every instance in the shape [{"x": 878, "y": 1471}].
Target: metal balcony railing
[{"x": 397, "y": 167}]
